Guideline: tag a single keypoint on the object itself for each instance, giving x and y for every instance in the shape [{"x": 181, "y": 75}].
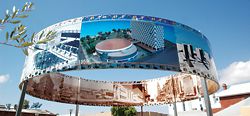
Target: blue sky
[{"x": 225, "y": 23}]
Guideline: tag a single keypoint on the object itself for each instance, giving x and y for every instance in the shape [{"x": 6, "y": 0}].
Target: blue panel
[
  {"x": 185, "y": 36},
  {"x": 92, "y": 28}
]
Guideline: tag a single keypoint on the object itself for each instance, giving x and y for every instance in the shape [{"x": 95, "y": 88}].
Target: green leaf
[
  {"x": 41, "y": 35},
  {"x": 7, "y": 36},
  {"x": 23, "y": 38},
  {"x": 52, "y": 35},
  {"x": 12, "y": 33},
  {"x": 54, "y": 32},
  {"x": 23, "y": 32},
  {"x": 6, "y": 18},
  {"x": 43, "y": 41},
  {"x": 48, "y": 34},
  {"x": 15, "y": 37},
  {"x": 26, "y": 44},
  {"x": 31, "y": 4},
  {"x": 24, "y": 8},
  {"x": 32, "y": 37},
  {"x": 15, "y": 21},
  {"x": 14, "y": 14},
  {"x": 25, "y": 51},
  {"x": 2, "y": 22},
  {"x": 21, "y": 28},
  {"x": 23, "y": 16}
]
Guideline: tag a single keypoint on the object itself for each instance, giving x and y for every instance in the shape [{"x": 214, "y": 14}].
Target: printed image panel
[
  {"x": 129, "y": 94},
  {"x": 93, "y": 92},
  {"x": 172, "y": 89},
  {"x": 56, "y": 87},
  {"x": 76, "y": 90},
  {"x": 160, "y": 90},
  {"x": 187, "y": 35},
  {"x": 153, "y": 40},
  {"x": 36, "y": 87},
  {"x": 196, "y": 60},
  {"x": 69, "y": 89},
  {"x": 119, "y": 41},
  {"x": 63, "y": 51},
  {"x": 127, "y": 41},
  {"x": 59, "y": 53},
  {"x": 187, "y": 87},
  {"x": 194, "y": 52},
  {"x": 29, "y": 65}
]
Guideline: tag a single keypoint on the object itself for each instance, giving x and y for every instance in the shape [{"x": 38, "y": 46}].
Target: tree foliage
[
  {"x": 123, "y": 111},
  {"x": 36, "y": 105},
  {"x": 26, "y": 104},
  {"x": 17, "y": 36}
]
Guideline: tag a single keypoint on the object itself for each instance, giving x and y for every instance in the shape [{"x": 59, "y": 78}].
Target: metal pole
[
  {"x": 183, "y": 104},
  {"x": 141, "y": 110},
  {"x": 77, "y": 109},
  {"x": 206, "y": 97},
  {"x": 174, "y": 94},
  {"x": 70, "y": 112},
  {"x": 20, "y": 105},
  {"x": 78, "y": 91},
  {"x": 175, "y": 109}
]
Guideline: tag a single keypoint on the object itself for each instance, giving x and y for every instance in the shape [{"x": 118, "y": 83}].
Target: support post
[
  {"x": 174, "y": 93},
  {"x": 183, "y": 105},
  {"x": 206, "y": 97},
  {"x": 77, "y": 109},
  {"x": 78, "y": 92},
  {"x": 141, "y": 110},
  {"x": 175, "y": 109},
  {"x": 20, "y": 105},
  {"x": 70, "y": 112}
]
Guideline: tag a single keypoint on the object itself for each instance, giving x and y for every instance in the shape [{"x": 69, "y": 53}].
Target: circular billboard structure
[{"x": 120, "y": 41}]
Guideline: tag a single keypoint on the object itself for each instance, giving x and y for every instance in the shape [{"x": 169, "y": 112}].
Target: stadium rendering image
[{"x": 120, "y": 41}]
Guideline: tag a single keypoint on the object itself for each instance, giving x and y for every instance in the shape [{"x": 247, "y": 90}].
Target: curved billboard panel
[
  {"x": 120, "y": 41},
  {"x": 75, "y": 90}
]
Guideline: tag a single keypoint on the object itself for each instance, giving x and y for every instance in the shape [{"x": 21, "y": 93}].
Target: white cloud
[
  {"x": 235, "y": 73},
  {"x": 4, "y": 78}
]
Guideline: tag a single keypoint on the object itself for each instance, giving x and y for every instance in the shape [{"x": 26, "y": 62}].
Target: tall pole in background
[
  {"x": 141, "y": 110},
  {"x": 174, "y": 93},
  {"x": 183, "y": 105},
  {"x": 70, "y": 111},
  {"x": 78, "y": 92},
  {"x": 206, "y": 96},
  {"x": 175, "y": 109},
  {"x": 20, "y": 105},
  {"x": 77, "y": 109}
]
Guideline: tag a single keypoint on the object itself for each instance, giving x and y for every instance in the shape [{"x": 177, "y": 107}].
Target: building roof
[
  {"x": 113, "y": 44},
  {"x": 34, "y": 111},
  {"x": 235, "y": 110},
  {"x": 234, "y": 90}
]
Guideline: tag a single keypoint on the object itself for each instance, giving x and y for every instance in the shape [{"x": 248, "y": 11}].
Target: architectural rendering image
[{"x": 120, "y": 40}]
